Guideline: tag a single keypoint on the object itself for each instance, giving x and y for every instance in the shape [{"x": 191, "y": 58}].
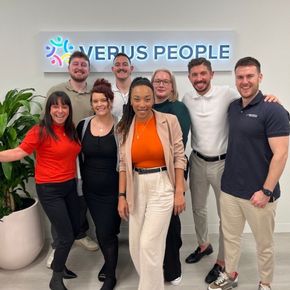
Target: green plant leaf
[
  {"x": 26, "y": 104},
  {"x": 3, "y": 123},
  {"x": 12, "y": 133},
  {"x": 16, "y": 119},
  {"x": 7, "y": 169}
]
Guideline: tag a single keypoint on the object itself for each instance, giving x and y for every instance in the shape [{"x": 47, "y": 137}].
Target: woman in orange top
[
  {"x": 56, "y": 145},
  {"x": 151, "y": 180}
]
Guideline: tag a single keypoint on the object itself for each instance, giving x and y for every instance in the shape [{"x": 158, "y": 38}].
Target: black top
[
  {"x": 249, "y": 153},
  {"x": 99, "y": 160}
]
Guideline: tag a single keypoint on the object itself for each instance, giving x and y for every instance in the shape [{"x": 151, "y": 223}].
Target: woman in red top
[{"x": 56, "y": 145}]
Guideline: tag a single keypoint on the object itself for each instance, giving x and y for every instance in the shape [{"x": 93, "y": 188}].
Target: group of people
[{"x": 130, "y": 141}]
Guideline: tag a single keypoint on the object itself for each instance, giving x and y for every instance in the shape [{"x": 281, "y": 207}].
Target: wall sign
[{"x": 148, "y": 50}]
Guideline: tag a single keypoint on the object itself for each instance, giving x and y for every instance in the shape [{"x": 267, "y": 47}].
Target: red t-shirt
[{"x": 55, "y": 159}]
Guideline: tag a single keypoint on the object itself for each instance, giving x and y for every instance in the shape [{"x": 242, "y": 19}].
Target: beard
[
  {"x": 79, "y": 79},
  {"x": 204, "y": 89}
]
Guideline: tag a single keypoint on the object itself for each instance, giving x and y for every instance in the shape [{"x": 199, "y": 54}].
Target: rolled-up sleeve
[
  {"x": 122, "y": 160},
  {"x": 178, "y": 147}
]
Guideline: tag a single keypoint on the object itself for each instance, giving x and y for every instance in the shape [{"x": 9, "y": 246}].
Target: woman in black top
[{"x": 98, "y": 166}]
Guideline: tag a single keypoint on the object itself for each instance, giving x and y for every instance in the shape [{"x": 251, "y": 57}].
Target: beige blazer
[{"x": 170, "y": 135}]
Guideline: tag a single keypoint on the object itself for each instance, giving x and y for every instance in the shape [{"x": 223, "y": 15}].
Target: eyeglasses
[{"x": 164, "y": 82}]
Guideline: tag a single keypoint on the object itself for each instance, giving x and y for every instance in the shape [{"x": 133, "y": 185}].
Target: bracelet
[{"x": 122, "y": 194}]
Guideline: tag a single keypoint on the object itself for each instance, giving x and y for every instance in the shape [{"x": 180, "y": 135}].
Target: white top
[
  {"x": 120, "y": 100},
  {"x": 209, "y": 124}
]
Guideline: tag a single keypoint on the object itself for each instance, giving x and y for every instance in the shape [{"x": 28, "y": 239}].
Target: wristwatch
[{"x": 267, "y": 192}]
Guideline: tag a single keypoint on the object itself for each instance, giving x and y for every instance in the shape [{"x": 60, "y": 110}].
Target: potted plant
[{"x": 16, "y": 118}]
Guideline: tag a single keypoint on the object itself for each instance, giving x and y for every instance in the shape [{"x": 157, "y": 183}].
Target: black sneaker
[
  {"x": 214, "y": 273},
  {"x": 197, "y": 255}
]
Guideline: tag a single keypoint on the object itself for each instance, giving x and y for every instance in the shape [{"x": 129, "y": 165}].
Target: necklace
[
  {"x": 139, "y": 124},
  {"x": 104, "y": 126}
]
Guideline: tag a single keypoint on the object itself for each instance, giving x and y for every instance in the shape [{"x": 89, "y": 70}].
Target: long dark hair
[
  {"x": 46, "y": 123},
  {"x": 123, "y": 126}
]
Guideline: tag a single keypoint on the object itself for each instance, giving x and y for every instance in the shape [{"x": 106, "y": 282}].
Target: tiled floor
[{"x": 87, "y": 264}]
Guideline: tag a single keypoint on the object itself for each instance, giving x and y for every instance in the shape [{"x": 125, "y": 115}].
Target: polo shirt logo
[{"x": 252, "y": 115}]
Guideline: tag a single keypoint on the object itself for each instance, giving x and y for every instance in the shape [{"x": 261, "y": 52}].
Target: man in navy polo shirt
[{"x": 256, "y": 156}]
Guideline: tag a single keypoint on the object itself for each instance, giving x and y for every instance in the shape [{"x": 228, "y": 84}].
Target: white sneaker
[
  {"x": 87, "y": 243},
  {"x": 50, "y": 259},
  {"x": 176, "y": 281},
  {"x": 264, "y": 287}
]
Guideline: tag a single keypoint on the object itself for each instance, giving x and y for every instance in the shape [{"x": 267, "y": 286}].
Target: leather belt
[
  {"x": 150, "y": 170},
  {"x": 210, "y": 158}
]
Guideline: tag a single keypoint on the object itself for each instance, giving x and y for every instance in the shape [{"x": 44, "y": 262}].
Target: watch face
[{"x": 267, "y": 192}]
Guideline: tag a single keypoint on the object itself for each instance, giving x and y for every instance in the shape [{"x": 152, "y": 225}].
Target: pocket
[{"x": 163, "y": 184}]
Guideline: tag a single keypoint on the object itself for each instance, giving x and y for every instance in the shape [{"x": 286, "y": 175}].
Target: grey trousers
[{"x": 202, "y": 175}]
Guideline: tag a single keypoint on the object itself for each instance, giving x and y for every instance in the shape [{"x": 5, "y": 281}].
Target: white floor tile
[{"x": 87, "y": 265}]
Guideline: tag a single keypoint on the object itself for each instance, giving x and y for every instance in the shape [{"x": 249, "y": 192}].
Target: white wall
[{"x": 262, "y": 28}]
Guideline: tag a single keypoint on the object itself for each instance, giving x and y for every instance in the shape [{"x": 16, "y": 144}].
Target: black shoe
[
  {"x": 197, "y": 254},
  {"x": 56, "y": 282},
  {"x": 109, "y": 284},
  {"x": 68, "y": 274},
  {"x": 102, "y": 274},
  {"x": 214, "y": 273}
]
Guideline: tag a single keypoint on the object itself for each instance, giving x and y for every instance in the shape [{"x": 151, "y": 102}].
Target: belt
[
  {"x": 149, "y": 170},
  {"x": 210, "y": 158}
]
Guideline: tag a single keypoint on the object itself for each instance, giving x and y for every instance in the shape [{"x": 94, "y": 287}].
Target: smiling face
[
  {"x": 122, "y": 68},
  {"x": 162, "y": 84},
  {"x": 100, "y": 104},
  {"x": 200, "y": 77},
  {"x": 142, "y": 101},
  {"x": 247, "y": 81},
  {"x": 59, "y": 112},
  {"x": 79, "y": 69}
]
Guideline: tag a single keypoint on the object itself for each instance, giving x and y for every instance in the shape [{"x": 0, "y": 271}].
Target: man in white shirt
[
  {"x": 122, "y": 70},
  {"x": 207, "y": 105}
]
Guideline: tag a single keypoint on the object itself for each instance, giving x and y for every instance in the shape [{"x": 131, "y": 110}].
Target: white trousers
[{"x": 148, "y": 226}]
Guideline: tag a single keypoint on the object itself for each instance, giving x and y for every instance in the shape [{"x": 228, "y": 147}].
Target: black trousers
[
  {"x": 107, "y": 221},
  {"x": 61, "y": 205},
  {"x": 84, "y": 224},
  {"x": 171, "y": 264}
]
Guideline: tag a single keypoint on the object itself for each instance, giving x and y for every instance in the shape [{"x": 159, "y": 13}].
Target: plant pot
[{"x": 21, "y": 237}]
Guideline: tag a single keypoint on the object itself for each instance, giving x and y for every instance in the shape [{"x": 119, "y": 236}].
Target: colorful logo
[{"x": 58, "y": 51}]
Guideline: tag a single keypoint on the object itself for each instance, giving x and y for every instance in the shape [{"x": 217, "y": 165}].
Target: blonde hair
[{"x": 174, "y": 96}]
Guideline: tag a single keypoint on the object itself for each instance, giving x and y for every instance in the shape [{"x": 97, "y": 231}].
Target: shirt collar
[
  {"x": 209, "y": 94},
  {"x": 115, "y": 89},
  {"x": 70, "y": 88},
  {"x": 258, "y": 98}
]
